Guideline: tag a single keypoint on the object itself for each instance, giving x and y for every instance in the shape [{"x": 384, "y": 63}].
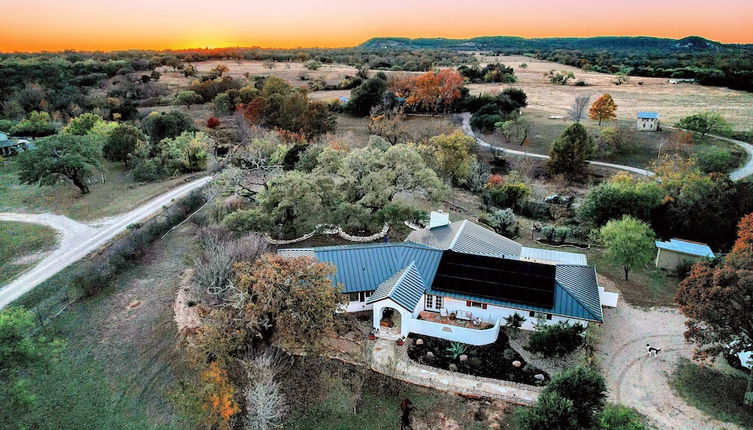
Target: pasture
[{"x": 672, "y": 101}]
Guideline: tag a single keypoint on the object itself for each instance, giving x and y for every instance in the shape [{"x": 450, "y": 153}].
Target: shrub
[
  {"x": 713, "y": 159},
  {"x": 584, "y": 387},
  {"x": 121, "y": 142},
  {"x": 504, "y": 221},
  {"x": 507, "y": 195},
  {"x": 618, "y": 417},
  {"x": 6, "y": 125},
  {"x": 37, "y": 124},
  {"x": 248, "y": 220},
  {"x": 556, "y": 339},
  {"x": 213, "y": 122},
  {"x": 485, "y": 122},
  {"x": 552, "y": 412},
  {"x": 312, "y": 65},
  {"x": 513, "y": 323},
  {"x": 536, "y": 210}
]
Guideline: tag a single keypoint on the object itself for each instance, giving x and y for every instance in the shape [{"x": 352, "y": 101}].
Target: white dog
[{"x": 652, "y": 351}]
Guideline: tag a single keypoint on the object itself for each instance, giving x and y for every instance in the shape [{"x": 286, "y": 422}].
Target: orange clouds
[{"x": 103, "y": 25}]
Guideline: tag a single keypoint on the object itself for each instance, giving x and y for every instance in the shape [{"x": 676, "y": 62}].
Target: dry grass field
[{"x": 672, "y": 101}]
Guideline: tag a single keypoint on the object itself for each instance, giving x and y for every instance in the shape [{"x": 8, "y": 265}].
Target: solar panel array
[{"x": 498, "y": 278}]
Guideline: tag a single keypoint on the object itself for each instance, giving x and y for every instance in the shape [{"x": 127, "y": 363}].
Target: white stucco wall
[{"x": 493, "y": 313}]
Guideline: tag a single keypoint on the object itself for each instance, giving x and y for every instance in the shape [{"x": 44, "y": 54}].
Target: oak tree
[
  {"x": 60, "y": 158},
  {"x": 603, "y": 109}
]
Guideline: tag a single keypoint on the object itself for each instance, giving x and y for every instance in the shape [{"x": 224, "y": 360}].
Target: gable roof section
[
  {"x": 580, "y": 284},
  {"x": 364, "y": 267},
  {"x": 686, "y": 247},
  {"x": 468, "y": 238},
  {"x": 648, "y": 115},
  {"x": 404, "y": 288}
]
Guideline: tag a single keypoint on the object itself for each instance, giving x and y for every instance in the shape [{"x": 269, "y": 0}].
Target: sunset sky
[{"x": 33, "y": 25}]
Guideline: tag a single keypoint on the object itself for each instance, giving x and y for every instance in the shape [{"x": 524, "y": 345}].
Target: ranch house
[
  {"x": 648, "y": 121},
  {"x": 459, "y": 281}
]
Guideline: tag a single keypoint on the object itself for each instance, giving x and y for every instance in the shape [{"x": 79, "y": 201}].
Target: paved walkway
[
  {"x": 79, "y": 239},
  {"x": 740, "y": 173},
  {"x": 389, "y": 359}
]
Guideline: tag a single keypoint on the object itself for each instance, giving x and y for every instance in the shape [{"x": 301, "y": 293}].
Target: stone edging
[{"x": 324, "y": 229}]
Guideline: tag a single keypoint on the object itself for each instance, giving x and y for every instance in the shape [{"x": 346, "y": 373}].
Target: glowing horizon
[{"x": 43, "y": 25}]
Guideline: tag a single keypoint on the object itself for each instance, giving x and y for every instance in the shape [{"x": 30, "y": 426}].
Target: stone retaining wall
[{"x": 324, "y": 229}]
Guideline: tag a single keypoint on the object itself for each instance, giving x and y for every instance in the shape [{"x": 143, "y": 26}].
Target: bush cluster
[
  {"x": 556, "y": 339},
  {"x": 97, "y": 273}
]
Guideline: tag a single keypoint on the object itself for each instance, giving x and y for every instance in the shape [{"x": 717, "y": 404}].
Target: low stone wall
[
  {"x": 393, "y": 361},
  {"x": 323, "y": 229}
]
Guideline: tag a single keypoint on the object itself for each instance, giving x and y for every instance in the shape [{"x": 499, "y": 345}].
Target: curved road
[
  {"x": 79, "y": 239},
  {"x": 740, "y": 173}
]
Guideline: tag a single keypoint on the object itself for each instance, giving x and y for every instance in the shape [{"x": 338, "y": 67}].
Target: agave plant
[{"x": 456, "y": 349}]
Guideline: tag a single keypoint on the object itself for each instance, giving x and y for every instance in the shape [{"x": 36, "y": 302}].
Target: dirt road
[
  {"x": 740, "y": 173},
  {"x": 636, "y": 380},
  {"x": 466, "y": 126},
  {"x": 80, "y": 239}
]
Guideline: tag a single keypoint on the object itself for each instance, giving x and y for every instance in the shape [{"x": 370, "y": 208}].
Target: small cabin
[
  {"x": 9, "y": 146},
  {"x": 648, "y": 121},
  {"x": 674, "y": 252}
]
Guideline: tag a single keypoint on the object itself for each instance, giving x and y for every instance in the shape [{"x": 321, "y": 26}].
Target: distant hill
[{"x": 513, "y": 43}]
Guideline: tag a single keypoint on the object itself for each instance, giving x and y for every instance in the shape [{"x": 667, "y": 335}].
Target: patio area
[{"x": 437, "y": 318}]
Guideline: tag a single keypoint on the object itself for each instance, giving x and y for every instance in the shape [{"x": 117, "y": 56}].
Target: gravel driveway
[
  {"x": 642, "y": 382},
  {"x": 79, "y": 239}
]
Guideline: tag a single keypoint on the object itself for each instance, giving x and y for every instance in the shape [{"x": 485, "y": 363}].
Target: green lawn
[
  {"x": 118, "y": 194},
  {"x": 646, "y": 286},
  {"x": 120, "y": 363},
  {"x": 717, "y": 394},
  {"x": 19, "y": 239}
]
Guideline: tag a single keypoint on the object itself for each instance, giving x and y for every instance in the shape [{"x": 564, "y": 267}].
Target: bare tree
[
  {"x": 579, "y": 108},
  {"x": 265, "y": 403},
  {"x": 218, "y": 254}
]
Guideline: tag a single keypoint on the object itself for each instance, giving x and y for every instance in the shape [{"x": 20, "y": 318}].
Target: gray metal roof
[
  {"x": 438, "y": 237},
  {"x": 561, "y": 257},
  {"x": 404, "y": 288},
  {"x": 297, "y": 252},
  {"x": 468, "y": 238},
  {"x": 580, "y": 282}
]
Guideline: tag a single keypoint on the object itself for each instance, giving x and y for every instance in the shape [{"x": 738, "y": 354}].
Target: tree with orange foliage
[
  {"x": 431, "y": 90},
  {"x": 294, "y": 295},
  {"x": 744, "y": 242},
  {"x": 252, "y": 110},
  {"x": 426, "y": 93},
  {"x": 717, "y": 300},
  {"x": 603, "y": 109},
  {"x": 450, "y": 86},
  {"x": 218, "y": 397}
]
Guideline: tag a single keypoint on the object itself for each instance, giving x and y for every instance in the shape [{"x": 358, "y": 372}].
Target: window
[
  {"x": 433, "y": 302},
  {"x": 471, "y": 304},
  {"x": 540, "y": 315},
  {"x": 353, "y": 297}
]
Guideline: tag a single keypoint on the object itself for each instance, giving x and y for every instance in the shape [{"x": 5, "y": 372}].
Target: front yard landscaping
[{"x": 497, "y": 360}]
